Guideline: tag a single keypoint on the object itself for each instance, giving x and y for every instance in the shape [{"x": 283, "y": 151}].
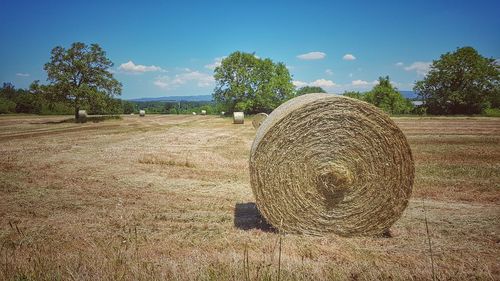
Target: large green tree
[
  {"x": 247, "y": 83},
  {"x": 309, "y": 90},
  {"x": 387, "y": 97},
  {"x": 81, "y": 75},
  {"x": 461, "y": 82}
]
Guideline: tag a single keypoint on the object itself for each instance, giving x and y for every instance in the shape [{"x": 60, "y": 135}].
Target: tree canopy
[
  {"x": 384, "y": 96},
  {"x": 81, "y": 76},
  {"x": 309, "y": 90},
  {"x": 250, "y": 84},
  {"x": 461, "y": 82}
]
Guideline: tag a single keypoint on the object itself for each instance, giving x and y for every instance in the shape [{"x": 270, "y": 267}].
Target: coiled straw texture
[
  {"x": 323, "y": 163},
  {"x": 258, "y": 119}
]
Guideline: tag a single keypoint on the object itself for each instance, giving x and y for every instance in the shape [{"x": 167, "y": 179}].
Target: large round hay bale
[
  {"x": 142, "y": 113},
  {"x": 258, "y": 119},
  {"x": 194, "y": 113},
  {"x": 327, "y": 163},
  {"x": 238, "y": 117},
  {"x": 222, "y": 113},
  {"x": 203, "y": 112}
]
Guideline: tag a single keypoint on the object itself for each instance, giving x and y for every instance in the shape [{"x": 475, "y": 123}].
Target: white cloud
[
  {"x": 160, "y": 82},
  {"x": 23, "y": 74},
  {"x": 348, "y": 57},
  {"x": 131, "y": 67},
  {"x": 350, "y": 74},
  {"x": 329, "y": 72},
  {"x": 420, "y": 67},
  {"x": 323, "y": 83},
  {"x": 299, "y": 84},
  {"x": 217, "y": 62},
  {"x": 399, "y": 64},
  {"x": 202, "y": 80},
  {"x": 360, "y": 83},
  {"x": 312, "y": 56}
]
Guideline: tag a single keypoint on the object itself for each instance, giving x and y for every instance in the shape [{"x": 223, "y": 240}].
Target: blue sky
[{"x": 165, "y": 48}]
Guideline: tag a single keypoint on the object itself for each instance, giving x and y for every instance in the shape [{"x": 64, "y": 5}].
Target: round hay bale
[
  {"x": 238, "y": 118},
  {"x": 203, "y": 112},
  {"x": 142, "y": 113},
  {"x": 258, "y": 119},
  {"x": 194, "y": 113},
  {"x": 222, "y": 113},
  {"x": 82, "y": 114},
  {"x": 326, "y": 163}
]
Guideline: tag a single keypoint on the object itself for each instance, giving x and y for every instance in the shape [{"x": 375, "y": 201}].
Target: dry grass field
[{"x": 168, "y": 198}]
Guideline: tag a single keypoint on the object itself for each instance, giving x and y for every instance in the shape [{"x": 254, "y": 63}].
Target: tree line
[
  {"x": 37, "y": 99},
  {"x": 30, "y": 101},
  {"x": 460, "y": 82}
]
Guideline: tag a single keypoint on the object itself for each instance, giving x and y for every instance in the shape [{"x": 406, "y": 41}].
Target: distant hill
[
  {"x": 176, "y": 98},
  {"x": 409, "y": 94}
]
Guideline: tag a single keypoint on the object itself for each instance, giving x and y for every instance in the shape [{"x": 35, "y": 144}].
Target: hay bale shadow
[{"x": 247, "y": 216}]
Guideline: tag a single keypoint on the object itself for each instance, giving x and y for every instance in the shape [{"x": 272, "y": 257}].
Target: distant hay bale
[
  {"x": 203, "y": 112},
  {"x": 82, "y": 113},
  {"x": 142, "y": 113},
  {"x": 258, "y": 119},
  {"x": 222, "y": 113},
  {"x": 82, "y": 116},
  {"x": 194, "y": 113},
  {"x": 238, "y": 117},
  {"x": 326, "y": 163}
]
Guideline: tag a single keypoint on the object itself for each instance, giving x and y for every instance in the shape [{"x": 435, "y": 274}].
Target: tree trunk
[{"x": 77, "y": 108}]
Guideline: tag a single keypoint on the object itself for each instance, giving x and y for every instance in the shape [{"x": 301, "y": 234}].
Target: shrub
[
  {"x": 7, "y": 106},
  {"x": 492, "y": 112}
]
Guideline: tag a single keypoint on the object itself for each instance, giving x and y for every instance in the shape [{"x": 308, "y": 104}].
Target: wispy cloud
[
  {"x": 399, "y": 64},
  {"x": 299, "y": 84},
  {"x": 362, "y": 83},
  {"x": 312, "y": 56},
  {"x": 348, "y": 57},
  {"x": 323, "y": 83},
  {"x": 202, "y": 80},
  {"x": 131, "y": 67},
  {"x": 328, "y": 72},
  {"x": 23, "y": 74},
  {"x": 420, "y": 67},
  {"x": 217, "y": 62}
]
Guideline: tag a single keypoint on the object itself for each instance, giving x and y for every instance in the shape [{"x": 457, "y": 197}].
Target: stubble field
[{"x": 168, "y": 198}]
